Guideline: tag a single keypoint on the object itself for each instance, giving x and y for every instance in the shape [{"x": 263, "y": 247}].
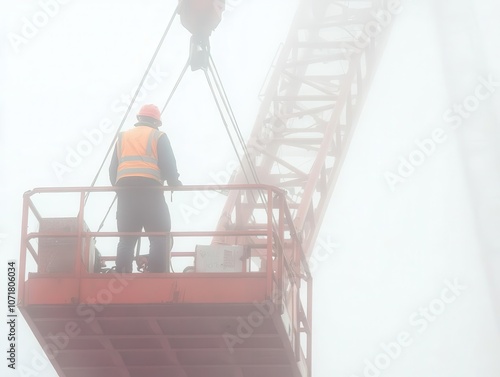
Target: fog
[{"x": 410, "y": 285}]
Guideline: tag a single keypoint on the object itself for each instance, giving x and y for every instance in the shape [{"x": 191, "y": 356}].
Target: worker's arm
[
  {"x": 113, "y": 168},
  {"x": 167, "y": 163}
]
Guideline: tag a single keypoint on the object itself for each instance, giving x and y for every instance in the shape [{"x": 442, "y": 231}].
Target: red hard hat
[{"x": 150, "y": 111}]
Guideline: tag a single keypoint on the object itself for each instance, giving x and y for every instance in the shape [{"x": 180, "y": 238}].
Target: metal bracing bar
[
  {"x": 165, "y": 342},
  {"x": 302, "y": 113},
  {"x": 32, "y": 251},
  {"x": 316, "y": 85},
  {"x": 34, "y": 210},
  {"x": 108, "y": 347},
  {"x": 283, "y": 163},
  {"x": 24, "y": 246},
  {"x": 305, "y": 97}
]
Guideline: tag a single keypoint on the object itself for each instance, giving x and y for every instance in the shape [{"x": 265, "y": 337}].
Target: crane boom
[{"x": 311, "y": 106}]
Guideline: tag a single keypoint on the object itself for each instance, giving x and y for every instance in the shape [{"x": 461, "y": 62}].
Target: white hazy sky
[{"x": 396, "y": 250}]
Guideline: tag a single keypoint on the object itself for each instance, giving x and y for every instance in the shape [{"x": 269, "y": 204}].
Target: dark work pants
[{"x": 140, "y": 208}]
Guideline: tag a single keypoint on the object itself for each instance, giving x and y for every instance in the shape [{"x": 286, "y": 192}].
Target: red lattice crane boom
[{"x": 313, "y": 100}]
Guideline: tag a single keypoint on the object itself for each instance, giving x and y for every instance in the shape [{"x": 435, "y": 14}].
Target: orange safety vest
[{"x": 137, "y": 151}]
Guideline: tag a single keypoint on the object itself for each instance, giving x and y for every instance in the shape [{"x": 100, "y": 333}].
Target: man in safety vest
[{"x": 143, "y": 158}]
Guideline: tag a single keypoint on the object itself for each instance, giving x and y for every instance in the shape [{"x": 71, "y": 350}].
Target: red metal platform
[{"x": 237, "y": 324}]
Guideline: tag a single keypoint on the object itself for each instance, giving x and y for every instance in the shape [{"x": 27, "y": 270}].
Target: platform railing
[{"x": 271, "y": 238}]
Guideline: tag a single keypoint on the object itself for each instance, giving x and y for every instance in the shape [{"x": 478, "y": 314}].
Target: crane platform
[
  {"x": 244, "y": 323},
  {"x": 215, "y": 323}
]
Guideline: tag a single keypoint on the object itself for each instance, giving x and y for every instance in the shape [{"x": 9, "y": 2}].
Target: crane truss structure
[{"x": 313, "y": 100}]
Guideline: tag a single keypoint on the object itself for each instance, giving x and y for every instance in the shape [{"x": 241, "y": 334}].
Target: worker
[{"x": 143, "y": 159}]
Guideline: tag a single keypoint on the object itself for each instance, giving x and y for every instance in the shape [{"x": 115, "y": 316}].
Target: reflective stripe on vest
[{"x": 137, "y": 151}]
